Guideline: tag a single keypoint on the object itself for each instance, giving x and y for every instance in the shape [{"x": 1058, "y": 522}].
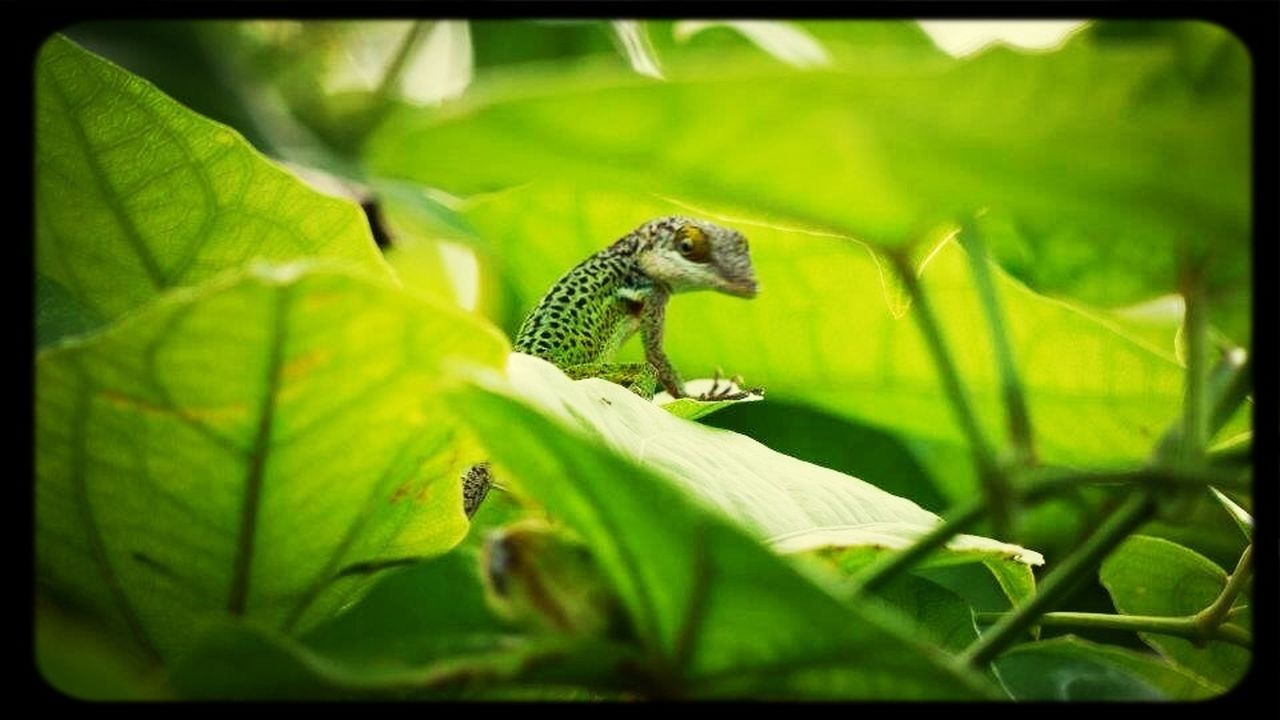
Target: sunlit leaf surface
[
  {"x": 254, "y": 447},
  {"x": 136, "y": 194}
]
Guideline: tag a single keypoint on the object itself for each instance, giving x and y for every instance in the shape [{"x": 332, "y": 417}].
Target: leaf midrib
[{"x": 242, "y": 564}]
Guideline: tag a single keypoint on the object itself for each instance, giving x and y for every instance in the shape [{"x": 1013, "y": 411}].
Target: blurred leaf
[
  {"x": 425, "y": 231},
  {"x": 1068, "y": 668},
  {"x": 1096, "y": 395},
  {"x": 255, "y": 446},
  {"x": 633, "y": 40},
  {"x": 693, "y": 48},
  {"x": 186, "y": 60},
  {"x": 1112, "y": 185},
  {"x": 135, "y": 194},
  {"x": 1151, "y": 576},
  {"x": 77, "y": 658},
  {"x": 424, "y": 631},
  {"x": 718, "y": 615},
  {"x": 501, "y": 43},
  {"x": 785, "y": 41}
]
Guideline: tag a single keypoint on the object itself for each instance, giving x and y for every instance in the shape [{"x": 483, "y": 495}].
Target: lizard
[{"x": 595, "y": 307}]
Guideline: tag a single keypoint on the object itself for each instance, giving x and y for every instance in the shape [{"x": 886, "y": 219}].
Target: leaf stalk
[{"x": 1136, "y": 509}]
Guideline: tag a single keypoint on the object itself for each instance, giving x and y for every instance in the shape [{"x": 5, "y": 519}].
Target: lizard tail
[{"x": 476, "y": 482}]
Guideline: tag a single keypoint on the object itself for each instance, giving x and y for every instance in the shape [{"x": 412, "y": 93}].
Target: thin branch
[
  {"x": 878, "y": 575},
  {"x": 1132, "y": 513},
  {"x": 1052, "y": 481},
  {"x": 394, "y": 73},
  {"x": 994, "y": 485},
  {"x": 1214, "y": 615},
  {"x": 1229, "y": 386},
  {"x": 1019, "y": 419},
  {"x": 1183, "y": 627}
]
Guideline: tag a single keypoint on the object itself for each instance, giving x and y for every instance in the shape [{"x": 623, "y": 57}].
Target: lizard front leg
[{"x": 652, "y": 317}]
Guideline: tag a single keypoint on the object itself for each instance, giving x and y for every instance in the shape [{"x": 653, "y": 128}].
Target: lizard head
[{"x": 688, "y": 254}]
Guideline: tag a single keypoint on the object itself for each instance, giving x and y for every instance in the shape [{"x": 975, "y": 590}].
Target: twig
[
  {"x": 1210, "y": 618},
  {"x": 1176, "y": 626},
  {"x": 1019, "y": 419},
  {"x": 879, "y": 574},
  {"x": 994, "y": 484},
  {"x": 1132, "y": 513}
]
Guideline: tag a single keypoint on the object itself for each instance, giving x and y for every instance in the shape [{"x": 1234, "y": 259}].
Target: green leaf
[
  {"x": 691, "y": 408},
  {"x": 75, "y": 657},
  {"x": 833, "y": 442},
  {"x": 1110, "y": 179},
  {"x": 501, "y": 43},
  {"x": 421, "y": 631},
  {"x": 136, "y": 194},
  {"x": 1069, "y": 668},
  {"x": 940, "y": 615},
  {"x": 718, "y": 615},
  {"x": 1151, "y": 576},
  {"x": 255, "y": 446},
  {"x": 1096, "y": 395},
  {"x": 793, "y": 505}
]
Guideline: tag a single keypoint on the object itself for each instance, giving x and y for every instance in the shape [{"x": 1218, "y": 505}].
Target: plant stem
[
  {"x": 994, "y": 485},
  {"x": 1132, "y": 513},
  {"x": 1210, "y": 618},
  {"x": 380, "y": 103},
  {"x": 879, "y": 574},
  {"x": 1184, "y": 627},
  {"x": 1208, "y": 624},
  {"x": 1227, "y": 386},
  {"x": 1019, "y": 419},
  {"x": 1052, "y": 481},
  {"x": 395, "y": 69},
  {"x": 1229, "y": 383}
]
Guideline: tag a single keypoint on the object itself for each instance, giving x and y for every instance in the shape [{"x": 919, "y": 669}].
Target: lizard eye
[{"x": 692, "y": 243}]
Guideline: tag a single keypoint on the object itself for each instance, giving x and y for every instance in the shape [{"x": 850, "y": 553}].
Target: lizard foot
[{"x": 730, "y": 390}]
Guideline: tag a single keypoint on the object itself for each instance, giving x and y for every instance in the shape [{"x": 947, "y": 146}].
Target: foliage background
[{"x": 498, "y": 154}]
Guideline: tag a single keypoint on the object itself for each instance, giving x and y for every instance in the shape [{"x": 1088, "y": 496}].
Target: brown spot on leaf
[
  {"x": 402, "y": 491},
  {"x": 233, "y": 411},
  {"x": 298, "y": 367}
]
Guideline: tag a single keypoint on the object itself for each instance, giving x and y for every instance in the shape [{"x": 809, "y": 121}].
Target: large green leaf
[
  {"x": 831, "y": 331},
  {"x": 718, "y": 614},
  {"x": 252, "y": 447},
  {"x": 1152, "y": 576},
  {"x": 794, "y": 505},
  {"x": 833, "y": 442},
  {"x": 1112, "y": 170},
  {"x": 1068, "y": 668},
  {"x": 136, "y": 194}
]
